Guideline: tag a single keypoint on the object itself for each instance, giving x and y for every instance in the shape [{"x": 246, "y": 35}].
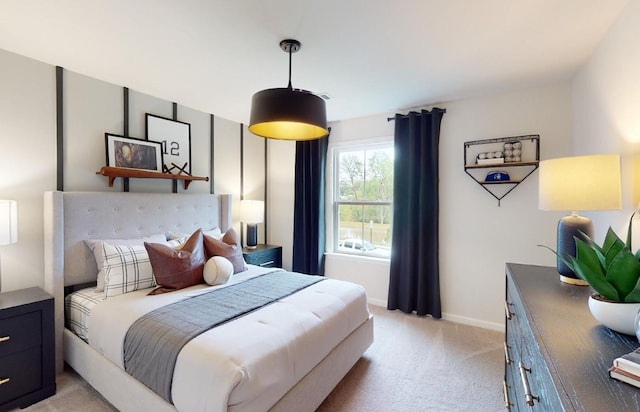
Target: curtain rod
[{"x": 405, "y": 116}]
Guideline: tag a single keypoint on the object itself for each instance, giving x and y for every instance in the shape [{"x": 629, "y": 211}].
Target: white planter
[{"x": 618, "y": 316}]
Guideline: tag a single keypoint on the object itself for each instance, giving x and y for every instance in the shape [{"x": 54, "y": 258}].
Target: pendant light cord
[{"x": 290, "y": 52}]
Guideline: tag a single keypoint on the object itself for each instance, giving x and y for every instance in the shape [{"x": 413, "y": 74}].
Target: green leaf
[
  {"x": 628, "y": 244},
  {"x": 612, "y": 246},
  {"x": 634, "y": 296},
  {"x": 623, "y": 272},
  {"x": 596, "y": 280},
  {"x": 588, "y": 256}
]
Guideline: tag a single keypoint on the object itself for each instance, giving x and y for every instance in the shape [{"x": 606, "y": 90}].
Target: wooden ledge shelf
[{"x": 114, "y": 172}]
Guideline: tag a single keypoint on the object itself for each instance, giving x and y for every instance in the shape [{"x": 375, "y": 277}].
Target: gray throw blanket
[{"x": 152, "y": 343}]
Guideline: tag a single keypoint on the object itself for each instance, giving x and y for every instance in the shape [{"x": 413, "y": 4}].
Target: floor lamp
[
  {"x": 8, "y": 226},
  {"x": 575, "y": 184}
]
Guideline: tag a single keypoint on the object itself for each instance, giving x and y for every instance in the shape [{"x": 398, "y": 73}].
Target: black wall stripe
[
  {"x": 174, "y": 183},
  {"x": 59, "y": 129},
  {"x": 241, "y": 177},
  {"x": 125, "y": 111},
  {"x": 125, "y": 128},
  {"x": 212, "y": 139}
]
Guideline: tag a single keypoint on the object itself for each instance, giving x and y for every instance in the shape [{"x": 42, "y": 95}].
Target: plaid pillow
[
  {"x": 95, "y": 245},
  {"x": 126, "y": 269}
]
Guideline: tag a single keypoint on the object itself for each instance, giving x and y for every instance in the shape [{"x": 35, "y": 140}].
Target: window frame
[{"x": 336, "y": 202}]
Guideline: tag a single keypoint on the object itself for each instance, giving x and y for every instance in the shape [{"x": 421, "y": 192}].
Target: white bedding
[{"x": 247, "y": 364}]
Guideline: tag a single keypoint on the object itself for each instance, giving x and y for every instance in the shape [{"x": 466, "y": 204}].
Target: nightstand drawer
[
  {"x": 20, "y": 332},
  {"x": 264, "y": 255},
  {"x": 20, "y": 374}
]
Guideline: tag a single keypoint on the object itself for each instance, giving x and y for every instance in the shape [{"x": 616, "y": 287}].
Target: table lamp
[
  {"x": 8, "y": 226},
  {"x": 578, "y": 183},
  {"x": 252, "y": 213}
]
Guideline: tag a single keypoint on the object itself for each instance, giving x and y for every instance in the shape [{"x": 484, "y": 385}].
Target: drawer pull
[
  {"x": 507, "y": 358},
  {"x": 507, "y": 403},
  {"x": 507, "y": 312},
  {"x": 4, "y": 338},
  {"x": 525, "y": 384},
  {"x": 269, "y": 262},
  {"x": 3, "y": 381}
]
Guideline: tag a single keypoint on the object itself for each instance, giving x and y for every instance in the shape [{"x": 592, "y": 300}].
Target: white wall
[
  {"x": 27, "y": 165},
  {"x": 476, "y": 236},
  {"x": 595, "y": 113},
  {"x": 606, "y": 111},
  {"x": 91, "y": 108}
]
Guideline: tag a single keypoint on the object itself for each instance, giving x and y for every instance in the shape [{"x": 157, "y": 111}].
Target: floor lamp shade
[
  {"x": 252, "y": 213},
  {"x": 575, "y": 184},
  {"x": 8, "y": 225}
]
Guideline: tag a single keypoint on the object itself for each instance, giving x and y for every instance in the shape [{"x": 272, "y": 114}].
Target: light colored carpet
[{"x": 414, "y": 365}]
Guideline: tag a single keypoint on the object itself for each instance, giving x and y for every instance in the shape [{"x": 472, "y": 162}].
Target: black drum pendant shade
[{"x": 288, "y": 113}]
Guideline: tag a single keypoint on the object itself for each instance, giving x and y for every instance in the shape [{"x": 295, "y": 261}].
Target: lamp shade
[
  {"x": 288, "y": 114},
  {"x": 8, "y": 222},
  {"x": 580, "y": 183},
  {"x": 252, "y": 211}
]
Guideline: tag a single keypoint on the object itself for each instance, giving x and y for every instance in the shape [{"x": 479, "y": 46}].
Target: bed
[{"x": 318, "y": 343}]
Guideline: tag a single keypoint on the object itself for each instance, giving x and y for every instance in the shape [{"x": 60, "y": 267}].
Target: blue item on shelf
[{"x": 497, "y": 176}]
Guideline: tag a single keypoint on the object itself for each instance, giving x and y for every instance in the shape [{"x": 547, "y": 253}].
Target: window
[{"x": 363, "y": 195}]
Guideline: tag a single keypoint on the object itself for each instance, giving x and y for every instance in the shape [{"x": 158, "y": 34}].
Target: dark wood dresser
[
  {"x": 27, "y": 348},
  {"x": 268, "y": 256},
  {"x": 555, "y": 347}
]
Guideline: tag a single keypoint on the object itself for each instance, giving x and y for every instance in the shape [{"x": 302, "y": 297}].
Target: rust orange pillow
[
  {"x": 228, "y": 247},
  {"x": 177, "y": 268}
]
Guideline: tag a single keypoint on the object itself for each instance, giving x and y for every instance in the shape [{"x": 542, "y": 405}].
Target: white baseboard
[
  {"x": 499, "y": 327},
  {"x": 377, "y": 302}
]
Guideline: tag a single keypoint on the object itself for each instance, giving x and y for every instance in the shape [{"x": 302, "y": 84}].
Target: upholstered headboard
[{"x": 72, "y": 217}]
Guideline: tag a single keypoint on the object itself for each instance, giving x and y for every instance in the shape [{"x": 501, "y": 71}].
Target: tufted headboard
[{"x": 72, "y": 217}]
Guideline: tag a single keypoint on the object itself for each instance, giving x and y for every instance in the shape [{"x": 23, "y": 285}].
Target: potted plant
[{"x": 613, "y": 272}]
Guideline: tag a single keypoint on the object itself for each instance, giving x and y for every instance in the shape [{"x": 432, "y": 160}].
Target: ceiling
[{"x": 370, "y": 56}]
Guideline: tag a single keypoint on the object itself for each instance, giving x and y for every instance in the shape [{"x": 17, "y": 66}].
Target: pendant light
[{"x": 288, "y": 113}]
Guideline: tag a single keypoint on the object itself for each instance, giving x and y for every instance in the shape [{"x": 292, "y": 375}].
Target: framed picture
[
  {"x": 133, "y": 153},
  {"x": 175, "y": 137}
]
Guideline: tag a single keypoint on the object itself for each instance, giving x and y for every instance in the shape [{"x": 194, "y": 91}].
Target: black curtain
[
  {"x": 308, "y": 212},
  {"x": 414, "y": 284}
]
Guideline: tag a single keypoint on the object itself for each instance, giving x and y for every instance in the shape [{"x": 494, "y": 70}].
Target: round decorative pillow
[{"x": 217, "y": 270}]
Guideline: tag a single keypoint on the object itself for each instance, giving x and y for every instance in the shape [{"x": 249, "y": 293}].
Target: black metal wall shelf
[{"x": 520, "y": 155}]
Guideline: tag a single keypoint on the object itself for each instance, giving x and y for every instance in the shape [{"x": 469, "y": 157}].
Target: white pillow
[
  {"x": 96, "y": 246},
  {"x": 126, "y": 269},
  {"x": 215, "y": 233},
  {"x": 217, "y": 270}
]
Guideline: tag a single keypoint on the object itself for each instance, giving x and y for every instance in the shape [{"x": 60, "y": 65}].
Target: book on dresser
[{"x": 626, "y": 368}]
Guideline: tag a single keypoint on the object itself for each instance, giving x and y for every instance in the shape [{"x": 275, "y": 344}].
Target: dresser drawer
[
  {"x": 20, "y": 374},
  {"x": 527, "y": 371},
  {"x": 539, "y": 379},
  {"x": 20, "y": 332}
]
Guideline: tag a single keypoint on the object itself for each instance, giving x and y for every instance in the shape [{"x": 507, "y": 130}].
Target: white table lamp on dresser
[
  {"x": 578, "y": 183},
  {"x": 8, "y": 226}
]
